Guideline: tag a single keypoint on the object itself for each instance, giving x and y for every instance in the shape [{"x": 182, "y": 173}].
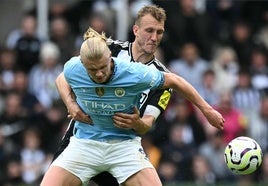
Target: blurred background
[{"x": 219, "y": 46}]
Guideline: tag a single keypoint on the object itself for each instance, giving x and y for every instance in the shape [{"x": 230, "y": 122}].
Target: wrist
[{"x": 144, "y": 125}]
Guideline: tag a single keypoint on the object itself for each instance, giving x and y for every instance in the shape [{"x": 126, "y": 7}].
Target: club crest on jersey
[
  {"x": 119, "y": 92},
  {"x": 99, "y": 91}
]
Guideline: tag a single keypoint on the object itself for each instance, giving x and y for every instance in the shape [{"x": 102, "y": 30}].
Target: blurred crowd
[{"x": 219, "y": 46}]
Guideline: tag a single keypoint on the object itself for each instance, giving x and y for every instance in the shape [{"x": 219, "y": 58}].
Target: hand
[
  {"x": 127, "y": 121},
  {"x": 77, "y": 114},
  {"x": 214, "y": 118}
]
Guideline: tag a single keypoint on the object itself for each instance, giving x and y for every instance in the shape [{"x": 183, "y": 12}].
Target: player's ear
[{"x": 135, "y": 29}]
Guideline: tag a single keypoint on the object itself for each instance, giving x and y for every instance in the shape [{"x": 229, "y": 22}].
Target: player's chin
[
  {"x": 151, "y": 50},
  {"x": 100, "y": 80}
]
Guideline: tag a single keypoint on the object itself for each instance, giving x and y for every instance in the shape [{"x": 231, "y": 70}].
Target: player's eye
[
  {"x": 159, "y": 32},
  {"x": 149, "y": 30}
]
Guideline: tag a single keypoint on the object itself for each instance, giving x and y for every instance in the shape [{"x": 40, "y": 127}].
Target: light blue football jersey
[{"x": 101, "y": 101}]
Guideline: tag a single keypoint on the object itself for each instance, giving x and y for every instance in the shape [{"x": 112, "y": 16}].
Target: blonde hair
[
  {"x": 93, "y": 33},
  {"x": 94, "y": 46},
  {"x": 156, "y": 11}
]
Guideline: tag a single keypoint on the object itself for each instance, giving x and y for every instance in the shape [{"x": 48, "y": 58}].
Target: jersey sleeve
[
  {"x": 67, "y": 69},
  {"x": 73, "y": 71},
  {"x": 150, "y": 76},
  {"x": 158, "y": 98}
]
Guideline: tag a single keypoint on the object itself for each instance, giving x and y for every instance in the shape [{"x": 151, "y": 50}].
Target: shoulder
[
  {"x": 158, "y": 65},
  {"x": 124, "y": 65},
  {"x": 117, "y": 46},
  {"x": 132, "y": 68},
  {"x": 72, "y": 63}
]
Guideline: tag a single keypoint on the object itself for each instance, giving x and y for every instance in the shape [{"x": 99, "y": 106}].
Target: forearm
[
  {"x": 133, "y": 121},
  {"x": 145, "y": 124},
  {"x": 191, "y": 94},
  {"x": 64, "y": 90},
  {"x": 184, "y": 88}
]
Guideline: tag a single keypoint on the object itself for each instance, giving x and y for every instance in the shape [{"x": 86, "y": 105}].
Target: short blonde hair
[
  {"x": 94, "y": 46},
  {"x": 156, "y": 11}
]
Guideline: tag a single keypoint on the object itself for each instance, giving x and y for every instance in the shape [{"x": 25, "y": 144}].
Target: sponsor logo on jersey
[
  {"x": 99, "y": 91},
  {"x": 119, "y": 92},
  {"x": 164, "y": 99},
  {"x": 103, "y": 108}
]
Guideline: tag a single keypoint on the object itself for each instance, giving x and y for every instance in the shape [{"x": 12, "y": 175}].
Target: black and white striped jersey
[{"x": 156, "y": 98}]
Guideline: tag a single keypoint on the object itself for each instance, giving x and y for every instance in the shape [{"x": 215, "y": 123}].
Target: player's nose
[
  {"x": 154, "y": 36},
  {"x": 99, "y": 73}
]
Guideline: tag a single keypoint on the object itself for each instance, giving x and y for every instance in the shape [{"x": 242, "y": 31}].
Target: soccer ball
[{"x": 243, "y": 155}]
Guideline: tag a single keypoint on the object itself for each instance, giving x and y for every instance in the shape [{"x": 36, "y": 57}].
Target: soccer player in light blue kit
[
  {"x": 120, "y": 94},
  {"x": 103, "y": 86}
]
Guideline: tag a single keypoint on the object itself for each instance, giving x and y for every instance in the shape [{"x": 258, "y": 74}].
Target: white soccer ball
[{"x": 243, "y": 155}]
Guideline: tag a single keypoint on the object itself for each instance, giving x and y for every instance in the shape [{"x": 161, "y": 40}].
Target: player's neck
[{"x": 139, "y": 55}]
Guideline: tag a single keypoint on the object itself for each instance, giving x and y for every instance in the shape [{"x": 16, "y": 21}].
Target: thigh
[
  {"x": 57, "y": 176},
  {"x": 126, "y": 159},
  {"x": 145, "y": 177},
  {"x": 82, "y": 158}
]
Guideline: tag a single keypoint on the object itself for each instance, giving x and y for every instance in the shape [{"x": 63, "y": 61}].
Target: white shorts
[{"x": 86, "y": 158}]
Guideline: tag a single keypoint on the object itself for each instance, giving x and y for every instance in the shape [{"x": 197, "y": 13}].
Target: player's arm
[
  {"x": 190, "y": 93},
  {"x": 68, "y": 98},
  {"x": 134, "y": 121},
  {"x": 155, "y": 105},
  {"x": 144, "y": 124}
]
